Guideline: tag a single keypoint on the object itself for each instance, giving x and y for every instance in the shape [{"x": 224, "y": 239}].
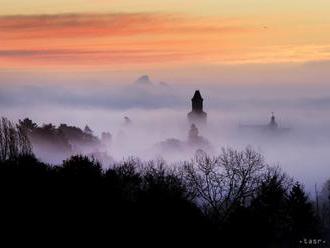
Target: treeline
[
  {"x": 231, "y": 200},
  {"x": 207, "y": 200},
  {"x": 54, "y": 143},
  {"x": 63, "y": 137}
]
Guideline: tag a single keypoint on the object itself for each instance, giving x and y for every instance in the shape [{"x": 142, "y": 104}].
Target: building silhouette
[
  {"x": 197, "y": 115},
  {"x": 271, "y": 127},
  {"x": 273, "y": 124},
  {"x": 193, "y": 133},
  {"x": 194, "y": 141}
]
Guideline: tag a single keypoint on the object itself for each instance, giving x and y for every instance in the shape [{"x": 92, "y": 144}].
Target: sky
[{"x": 162, "y": 37}]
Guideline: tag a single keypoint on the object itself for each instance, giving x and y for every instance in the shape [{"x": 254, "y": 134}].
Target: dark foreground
[{"x": 144, "y": 203}]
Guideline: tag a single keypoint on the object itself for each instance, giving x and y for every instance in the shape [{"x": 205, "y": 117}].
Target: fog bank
[{"x": 158, "y": 111}]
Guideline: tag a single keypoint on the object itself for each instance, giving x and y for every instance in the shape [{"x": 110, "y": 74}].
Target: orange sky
[{"x": 124, "y": 35}]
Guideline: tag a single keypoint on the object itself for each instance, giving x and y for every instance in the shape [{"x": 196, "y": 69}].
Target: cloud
[
  {"x": 84, "y": 57},
  {"x": 113, "y": 24},
  {"x": 110, "y": 39}
]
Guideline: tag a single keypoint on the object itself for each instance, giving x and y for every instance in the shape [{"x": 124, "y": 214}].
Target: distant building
[
  {"x": 193, "y": 133},
  {"x": 272, "y": 126},
  {"x": 197, "y": 115},
  {"x": 195, "y": 139}
]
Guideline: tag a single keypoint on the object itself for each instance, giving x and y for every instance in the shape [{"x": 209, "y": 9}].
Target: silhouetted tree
[
  {"x": 325, "y": 207},
  {"x": 224, "y": 182},
  {"x": 27, "y": 124},
  {"x": 60, "y": 142},
  {"x": 269, "y": 212},
  {"x": 77, "y": 136},
  {"x": 82, "y": 167},
  {"x": 124, "y": 180},
  {"x": 233, "y": 200},
  {"x": 13, "y": 140},
  {"x": 51, "y": 139},
  {"x": 302, "y": 220}
]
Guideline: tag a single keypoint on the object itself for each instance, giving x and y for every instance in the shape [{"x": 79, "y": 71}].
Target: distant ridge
[{"x": 143, "y": 80}]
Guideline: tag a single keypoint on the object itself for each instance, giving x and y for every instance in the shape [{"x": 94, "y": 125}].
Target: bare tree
[
  {"x": 223, "y": 182},
  {"x": 25, "y": 146},
  {"x": 14, "y": 140}
]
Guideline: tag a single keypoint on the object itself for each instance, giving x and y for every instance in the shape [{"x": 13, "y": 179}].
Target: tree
[
  {"x": 27, "y": 124},
  {"x": 224, "y": 182},
  {"x": 49, "y": 138},
  {"x": 81, "y": 167},
  {"x": 14, "y": 140},
  {"x": 124, "y": 180},
  {"x": 268, "y": 210},
  {"x": 302, "y": 220},
  {"x": 325, "y": 206}
]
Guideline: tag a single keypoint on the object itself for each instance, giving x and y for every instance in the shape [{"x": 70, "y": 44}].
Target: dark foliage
[
  {"x": 80, "y": 200},
  {"x": 50, "y": 141},
  {"x": 135, "y": 202},
  {"x": 302, "y": 220},
  {"x": 233, "y": 200}
]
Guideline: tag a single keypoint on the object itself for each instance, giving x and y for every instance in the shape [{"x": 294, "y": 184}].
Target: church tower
[{"x": 197, "y": 115}]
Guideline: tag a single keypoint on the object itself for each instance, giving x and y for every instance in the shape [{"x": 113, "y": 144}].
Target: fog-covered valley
[{"x": 157, "y": 115}]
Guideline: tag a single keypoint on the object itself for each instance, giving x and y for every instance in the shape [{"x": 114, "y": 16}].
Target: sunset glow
[{"x": 120, "y": 34}]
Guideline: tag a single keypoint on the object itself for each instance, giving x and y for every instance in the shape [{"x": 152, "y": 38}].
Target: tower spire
[{"x": 197, "y": 115}]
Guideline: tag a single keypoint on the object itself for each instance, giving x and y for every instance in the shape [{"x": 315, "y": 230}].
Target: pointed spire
[
  {"x": 197, "y": 95},
  {"x": 197, "y": 102},
  {"x": 197, "y": 114}
]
